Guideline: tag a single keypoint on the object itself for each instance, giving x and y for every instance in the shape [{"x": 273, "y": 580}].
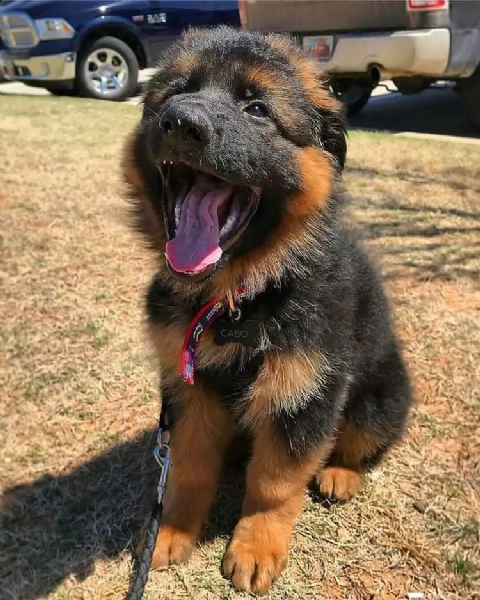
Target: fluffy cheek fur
[{"x": 277, "y": 252}]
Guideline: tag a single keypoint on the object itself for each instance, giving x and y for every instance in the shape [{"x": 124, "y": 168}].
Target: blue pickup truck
[{"x": 96, "y": 47}]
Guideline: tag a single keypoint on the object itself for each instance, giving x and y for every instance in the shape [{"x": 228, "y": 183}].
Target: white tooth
[
  {"x": 164, "y": 162},
  {"x": 179, "y": 122}
]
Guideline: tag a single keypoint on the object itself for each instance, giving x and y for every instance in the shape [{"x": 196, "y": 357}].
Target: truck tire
[
  {"x": 411, "y": 85},
  {"x": 352, "y": 93},
  {"x": 469, "y": 91},
  {"x": 107, "y": 69}
]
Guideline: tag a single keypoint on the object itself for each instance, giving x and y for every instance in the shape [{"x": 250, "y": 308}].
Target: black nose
[{"x": 186, "y": 126}]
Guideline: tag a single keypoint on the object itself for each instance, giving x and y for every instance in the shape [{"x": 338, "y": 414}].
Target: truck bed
[{"x": 327, "y": 16}]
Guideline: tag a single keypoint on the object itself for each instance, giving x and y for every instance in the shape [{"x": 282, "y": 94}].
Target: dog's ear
[
  {"x": 326, "y": 113},
  {"x": 331, "y": 133}
]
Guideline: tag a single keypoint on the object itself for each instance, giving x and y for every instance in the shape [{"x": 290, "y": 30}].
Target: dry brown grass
[{"x": 79, "y": 398}]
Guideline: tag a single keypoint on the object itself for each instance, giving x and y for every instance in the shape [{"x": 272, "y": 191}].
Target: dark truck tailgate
[{"x": 323, "y": 15}]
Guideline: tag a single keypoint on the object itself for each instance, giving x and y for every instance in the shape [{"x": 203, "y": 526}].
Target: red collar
[{"x": 202, "y": 321}]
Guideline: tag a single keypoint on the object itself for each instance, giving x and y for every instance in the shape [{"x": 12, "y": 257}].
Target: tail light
[{"x": 422, "y": 5}]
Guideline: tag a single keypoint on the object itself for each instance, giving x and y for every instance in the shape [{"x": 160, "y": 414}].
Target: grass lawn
[{"x": 79, "y": 391}]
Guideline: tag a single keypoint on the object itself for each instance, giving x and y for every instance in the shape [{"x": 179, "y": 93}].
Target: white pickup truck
[{"x": 362, "y": 42}]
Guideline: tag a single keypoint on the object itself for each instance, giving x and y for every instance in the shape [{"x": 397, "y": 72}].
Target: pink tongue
[{"x": 197, "y": 239}]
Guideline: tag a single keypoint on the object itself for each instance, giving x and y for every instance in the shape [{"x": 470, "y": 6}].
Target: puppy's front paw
[
  {"x": 338, "y": 483},
  {"x": 173, "y": 547},
  {"x": 252, "y": 564}
]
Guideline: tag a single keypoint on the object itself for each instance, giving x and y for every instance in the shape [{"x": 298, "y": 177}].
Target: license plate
[
  {"x": 321, "y": 46},
  {"x": 6, "y": 65}
]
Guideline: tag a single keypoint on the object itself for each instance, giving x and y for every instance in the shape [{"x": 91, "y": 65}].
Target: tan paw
[
  {"x": 172, "y": 547},
  {"x": 338, "y": 483},
  {"x": 253, "y": 568}
]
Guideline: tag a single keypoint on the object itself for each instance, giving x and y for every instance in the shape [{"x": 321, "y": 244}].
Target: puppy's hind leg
[
  {"x": 341, "y": 478},
  {"x": 373, "y": 420}
]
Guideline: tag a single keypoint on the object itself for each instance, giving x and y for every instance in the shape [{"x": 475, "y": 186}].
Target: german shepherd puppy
[{"x": 235, "y": 173}]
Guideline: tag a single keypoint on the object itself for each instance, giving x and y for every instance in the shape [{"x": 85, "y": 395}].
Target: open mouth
[{"x": 204, "y": 217}]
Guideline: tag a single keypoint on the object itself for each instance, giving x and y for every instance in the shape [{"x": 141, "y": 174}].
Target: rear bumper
[
  {"x": 55, "y": 67},
  {"x": 401, "y": 53}
]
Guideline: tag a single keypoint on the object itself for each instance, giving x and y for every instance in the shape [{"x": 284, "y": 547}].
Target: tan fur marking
[
  {"x": 265, "y": 79},
  {"x": 276, "y": 85},
  {"x": 282, "y": 44},
  {"x": 275, "y": 491},
  {"x": 308, "y": 71},
  {"x": 266, "y": 261},
  {"x": 311, "y": 78},
  {"x": 168, "y": 340},
  {"x": 186, "y": 62},
  {"x": 154, "y": 99},
  {"x": 198, "y": 444},
  {"x": 352, "y": 446},
  {"x": 338, "y": 483},
  {"x": 282, "y": 383},
  {"x": 317, "y": 178}
]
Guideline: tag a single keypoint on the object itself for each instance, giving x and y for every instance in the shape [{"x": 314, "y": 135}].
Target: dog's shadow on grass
[{"x": 58, "y": 526}]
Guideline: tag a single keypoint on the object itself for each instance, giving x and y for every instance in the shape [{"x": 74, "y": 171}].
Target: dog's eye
[{"x": 256, "y": 109}]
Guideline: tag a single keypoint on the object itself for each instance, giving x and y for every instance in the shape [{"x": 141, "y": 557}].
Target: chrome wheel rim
[{"x": 105, "y": 72}]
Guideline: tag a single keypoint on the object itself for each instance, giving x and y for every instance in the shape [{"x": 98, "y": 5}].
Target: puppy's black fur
[{"x": 323, "y": 391}]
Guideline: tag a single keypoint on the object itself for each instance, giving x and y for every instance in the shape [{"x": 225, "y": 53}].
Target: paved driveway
[
  {"x": 16, "y": 88},
  {"x": 434, "y": 113}
]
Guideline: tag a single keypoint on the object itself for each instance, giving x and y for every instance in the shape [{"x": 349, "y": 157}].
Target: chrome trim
[
  {"x": 420, "y": 51},
  {"x": 106, "y": 72},
  {"x": 55, "y": 67},
  {"x": 9, "y": 29}
]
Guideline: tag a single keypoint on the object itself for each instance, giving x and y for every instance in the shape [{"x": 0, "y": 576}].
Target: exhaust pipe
[{"x": 376, "y": 74}]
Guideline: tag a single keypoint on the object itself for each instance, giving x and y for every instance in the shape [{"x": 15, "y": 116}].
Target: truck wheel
[
  {"x": 107, "y": 69},
  {"x": 352, "y": 93},
  {"x": 411, "y": 85},
  {"x": 469, "y": 91}
]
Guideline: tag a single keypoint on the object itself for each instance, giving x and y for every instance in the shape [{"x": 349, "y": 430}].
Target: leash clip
[
  {"x": 235, "y": 315},
  {"x": 161, "y": 453}
]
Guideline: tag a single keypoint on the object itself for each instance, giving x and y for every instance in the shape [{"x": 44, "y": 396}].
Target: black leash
[
  {"x": 143, "y": 562},
  {"x": 202, "y": 321}
]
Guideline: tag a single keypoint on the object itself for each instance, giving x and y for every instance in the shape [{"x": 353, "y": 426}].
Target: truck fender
[{"x": 103, "y": 23}]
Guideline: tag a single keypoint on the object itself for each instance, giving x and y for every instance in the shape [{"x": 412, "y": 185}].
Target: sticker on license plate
[{"x": 321, "y": 46}]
